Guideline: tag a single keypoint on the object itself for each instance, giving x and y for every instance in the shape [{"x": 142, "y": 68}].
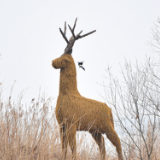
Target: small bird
[
  {"x": 80, "y": 64},
  {"x": 32, "y": 100}
]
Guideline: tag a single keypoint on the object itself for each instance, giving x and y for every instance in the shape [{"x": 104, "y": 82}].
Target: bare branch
[
  {"x": 79, "y": 33},
  {"x": 86, "y": 34},
  {"x": 72, "y": 32},
  {"x": 71, "y": 42},
  {"x": 74, "y": 24},
  {"x": 64, "y": 36},
  {"x": 65, "y": 28}
]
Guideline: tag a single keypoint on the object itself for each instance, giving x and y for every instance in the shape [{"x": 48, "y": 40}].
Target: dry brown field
[{"x": 31, "y": 132}]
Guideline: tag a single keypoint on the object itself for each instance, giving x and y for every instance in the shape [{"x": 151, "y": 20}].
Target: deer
[{"x": 77, "y": 113}]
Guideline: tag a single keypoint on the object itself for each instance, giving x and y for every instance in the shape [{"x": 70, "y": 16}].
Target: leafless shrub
[
  {"x": 155, "y": 43},
  {"x": 136, "y": 102}
]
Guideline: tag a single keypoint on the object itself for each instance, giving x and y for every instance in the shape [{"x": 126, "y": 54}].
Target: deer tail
[{"x": 111, "y": 116}]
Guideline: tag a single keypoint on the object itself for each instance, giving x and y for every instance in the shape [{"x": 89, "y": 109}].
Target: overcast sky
[{"x": 30, "y": 40}]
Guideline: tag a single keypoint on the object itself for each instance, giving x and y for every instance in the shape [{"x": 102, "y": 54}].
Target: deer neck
[{"x": 68, "y": 80}]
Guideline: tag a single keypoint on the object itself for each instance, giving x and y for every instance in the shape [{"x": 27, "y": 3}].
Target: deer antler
[
  {"x": 64, "y": 34},
  {"x": 74, "y": 37}
]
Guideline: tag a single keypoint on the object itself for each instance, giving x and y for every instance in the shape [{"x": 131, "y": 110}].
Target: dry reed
[{"x": 29, "y": 132}]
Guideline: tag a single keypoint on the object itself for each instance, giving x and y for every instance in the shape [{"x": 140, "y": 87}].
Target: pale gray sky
[{"x": 30, "y": 40}]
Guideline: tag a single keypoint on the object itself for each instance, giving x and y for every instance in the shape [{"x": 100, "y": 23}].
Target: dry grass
[{"x": 31, "y": 132}]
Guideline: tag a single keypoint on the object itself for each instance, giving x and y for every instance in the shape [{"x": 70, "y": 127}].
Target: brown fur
[{"x": 77, "y": 113}]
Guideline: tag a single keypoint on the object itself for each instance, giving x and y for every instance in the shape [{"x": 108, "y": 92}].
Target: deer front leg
[
  {"x": 64, "y": 140},
  {"x": 71, "y": 134}
]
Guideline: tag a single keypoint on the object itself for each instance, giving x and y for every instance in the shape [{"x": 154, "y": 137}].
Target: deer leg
[
  {"x": 71, "y": 134},
  {"x": 113, "y": 137},
  {"x": 100, "y": 141},
  {"x": 64, "y": 140}
]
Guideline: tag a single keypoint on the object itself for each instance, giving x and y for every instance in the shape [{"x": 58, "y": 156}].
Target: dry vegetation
[{"x": 31, "y": 132}]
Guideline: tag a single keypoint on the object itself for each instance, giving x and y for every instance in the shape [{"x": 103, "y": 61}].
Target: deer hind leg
[
  {"x": 113, "y": 137},
  {"x": 71, "y": 134},
  {"x": 100, "y": 141},
  {"x": 64, "y": 140}
]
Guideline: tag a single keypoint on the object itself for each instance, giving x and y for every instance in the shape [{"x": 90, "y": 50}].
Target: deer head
[{"x": 61, "y": 62}]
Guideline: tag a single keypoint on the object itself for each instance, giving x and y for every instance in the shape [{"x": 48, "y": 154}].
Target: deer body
[
  {"x": 70, "y": 102},
  {"x": 77, "y": 113}
]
